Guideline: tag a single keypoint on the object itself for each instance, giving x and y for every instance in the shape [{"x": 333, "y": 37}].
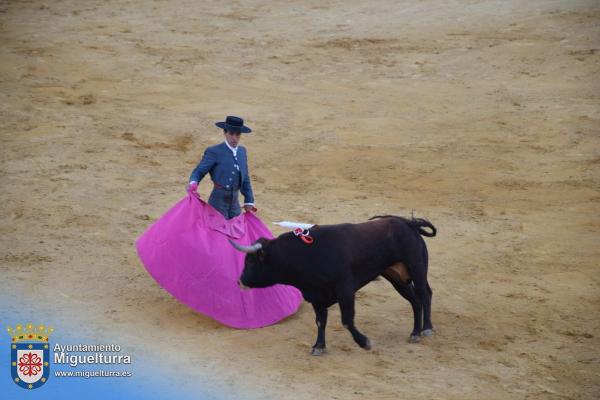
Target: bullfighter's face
[
  {"x": 233, "y": 138},
  {"x": 257, "y": 273}
]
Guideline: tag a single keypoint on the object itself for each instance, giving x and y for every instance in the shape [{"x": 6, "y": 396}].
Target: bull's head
[{"x": 258, "y": 271}]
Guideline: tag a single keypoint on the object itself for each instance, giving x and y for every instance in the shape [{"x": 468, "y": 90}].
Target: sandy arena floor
[{"x": 482, "y": 116}]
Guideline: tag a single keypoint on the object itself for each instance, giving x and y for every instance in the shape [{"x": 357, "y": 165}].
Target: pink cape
[{"x": 186, "y": 251}]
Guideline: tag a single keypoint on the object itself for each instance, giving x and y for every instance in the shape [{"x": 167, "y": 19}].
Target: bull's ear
[{"x": 261, "y": 255}]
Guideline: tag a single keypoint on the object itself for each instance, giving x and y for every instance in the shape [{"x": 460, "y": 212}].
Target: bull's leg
[
  {"x": 398, "y": 275},
  {"x": 424, "y": 292},
  {"x": 408, "y": 292},
  {"x": 417, "y": 265},
  {"x": 427, "y": 325},
  {"x": 321, "y": 319},
  {"x": 347, "y": 310}
]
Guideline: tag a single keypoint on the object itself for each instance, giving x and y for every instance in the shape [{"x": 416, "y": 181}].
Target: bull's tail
[
  {"x": 416, "y": 223},
  {"x": 420, "y": 223}
]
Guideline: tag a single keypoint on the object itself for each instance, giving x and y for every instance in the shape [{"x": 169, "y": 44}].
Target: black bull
[{"x": 342, "y": 259}]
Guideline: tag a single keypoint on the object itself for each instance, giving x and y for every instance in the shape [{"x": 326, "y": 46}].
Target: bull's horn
[{"x": 246, "y": 249}]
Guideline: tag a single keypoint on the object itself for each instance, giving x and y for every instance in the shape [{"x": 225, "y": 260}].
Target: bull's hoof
[
  {"x": 427, "y": 332},
  {"x": 316, "y": 351},
  {"x": 367, "y": 345},
  {"x": 414, "y": 339}
]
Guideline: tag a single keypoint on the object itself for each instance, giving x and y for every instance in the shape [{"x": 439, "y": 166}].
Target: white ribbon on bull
[
  {"x": 257, "y": 246},
  {"x": 294, "y": 225},
  {"x": 299, "y": 229}
]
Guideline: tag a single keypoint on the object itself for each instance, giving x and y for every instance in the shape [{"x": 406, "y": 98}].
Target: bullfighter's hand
[
  {"x": 192, "y": 189},
  {"x": 249, "y": 207}
]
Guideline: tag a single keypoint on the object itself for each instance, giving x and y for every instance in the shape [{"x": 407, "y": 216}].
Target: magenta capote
[{"x": 187, "y": 252}]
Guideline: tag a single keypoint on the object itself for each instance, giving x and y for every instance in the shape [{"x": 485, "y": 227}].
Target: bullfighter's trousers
[{"x": 226, "y": 201}]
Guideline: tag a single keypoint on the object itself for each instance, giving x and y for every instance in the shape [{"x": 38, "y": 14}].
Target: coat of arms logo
[{"x": 30, "y": 355}]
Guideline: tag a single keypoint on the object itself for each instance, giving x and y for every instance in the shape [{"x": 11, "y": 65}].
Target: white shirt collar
[{"x": 233, "y": 149}]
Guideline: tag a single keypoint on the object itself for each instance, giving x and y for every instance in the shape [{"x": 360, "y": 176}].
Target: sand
[{"x": 482, "y": 116}]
